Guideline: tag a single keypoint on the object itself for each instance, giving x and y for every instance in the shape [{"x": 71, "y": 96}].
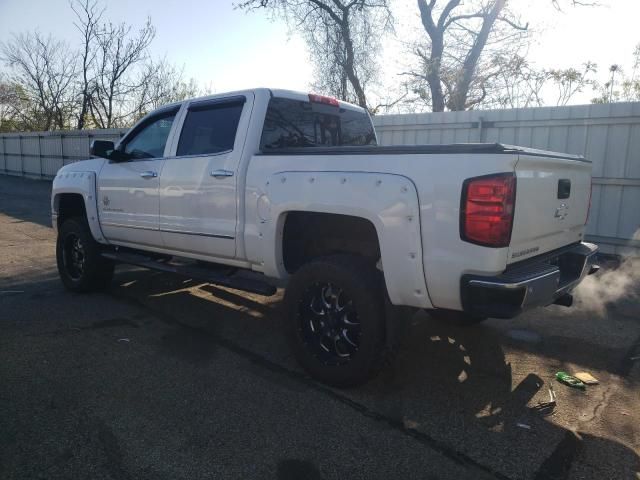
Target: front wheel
[
  {"x": 336, "y": 319},
  {"x": 80, "y": 265}
]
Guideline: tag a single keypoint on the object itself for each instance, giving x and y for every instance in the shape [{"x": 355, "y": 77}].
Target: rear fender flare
[{"x": 389, "y": 202}]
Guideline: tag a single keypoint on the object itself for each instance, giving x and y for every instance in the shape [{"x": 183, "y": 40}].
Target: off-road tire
[
  {"x": 96, "y": 272},
  {"x": 363, "y": 284}
]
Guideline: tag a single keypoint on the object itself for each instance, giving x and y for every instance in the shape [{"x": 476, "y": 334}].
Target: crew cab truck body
[{"x": 291, "y": 190}]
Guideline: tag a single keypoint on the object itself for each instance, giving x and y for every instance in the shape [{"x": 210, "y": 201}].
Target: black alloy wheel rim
[
  {"x": 74, "y": 256},
  {"x": 329, "y": 323}
]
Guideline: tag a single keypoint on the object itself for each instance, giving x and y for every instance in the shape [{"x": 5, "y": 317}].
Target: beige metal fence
[{"x": 42, "y": 154}]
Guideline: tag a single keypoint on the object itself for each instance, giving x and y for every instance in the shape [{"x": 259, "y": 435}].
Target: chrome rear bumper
[{"x": 532, "y": 283}]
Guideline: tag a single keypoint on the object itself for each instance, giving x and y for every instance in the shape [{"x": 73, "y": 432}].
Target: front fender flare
[{"x": 84, "y": 184}]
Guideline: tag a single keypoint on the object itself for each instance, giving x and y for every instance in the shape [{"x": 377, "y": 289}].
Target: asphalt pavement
[{"x": 162, "y": 377}]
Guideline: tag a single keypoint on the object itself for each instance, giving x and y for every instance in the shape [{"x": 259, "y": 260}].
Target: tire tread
[
  {"x": 361, "y": 273},
  {"x": 99, "y": 270}
]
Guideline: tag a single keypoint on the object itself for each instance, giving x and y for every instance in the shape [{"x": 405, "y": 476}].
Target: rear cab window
[
  {"x": 210, "y": 127},
  {"x": 291, "y": 123}
]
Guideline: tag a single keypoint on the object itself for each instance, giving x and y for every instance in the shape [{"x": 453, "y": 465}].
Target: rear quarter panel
[
  {"x": 389, "y": 202},
  {"x": 436, "y": 180}
]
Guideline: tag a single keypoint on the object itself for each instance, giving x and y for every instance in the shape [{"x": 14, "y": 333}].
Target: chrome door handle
[
  {"x": 221, "y": 173},
  {"x": 149, "y": 174}
]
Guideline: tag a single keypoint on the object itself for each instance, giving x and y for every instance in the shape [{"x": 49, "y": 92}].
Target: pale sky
[{"x": 229, "y": 49}]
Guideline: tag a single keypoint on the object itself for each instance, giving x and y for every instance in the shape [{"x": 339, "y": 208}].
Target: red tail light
[
  {"x": 313, "y": 98},
  {"x": 486, "y": 211}
]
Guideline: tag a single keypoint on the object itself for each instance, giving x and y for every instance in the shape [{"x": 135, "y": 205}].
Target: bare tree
[
  {"x": 460, "y": 64},
  {"x": 630, "y": 90},
  {"x": 343, "y": 36},
  {"x": 558, "y": 4},
  {"x": 119, "y": 52},
  {"x": 88, "y": 16},
  {"x": 457, "y": 36},
  {"x": 570, "y": 81},
  {"x": 161, "y": 83},
  {"x": 514, "y": 84},
  {"x": 519, "y": 84},
  {"x": 120, "y": 83},
  {"x": 620, "y": 87},
  {"x": 109, "y": 81},
  {"x": 45, "y": 71},
  {"x": 631, "y": 85},
  {"x": 9, "y": 105}
]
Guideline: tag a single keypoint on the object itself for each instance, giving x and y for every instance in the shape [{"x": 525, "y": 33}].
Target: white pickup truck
[{"x": 263, "y": 188}]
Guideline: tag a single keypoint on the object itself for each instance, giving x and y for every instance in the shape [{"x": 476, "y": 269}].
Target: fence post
[
  {"x": 4, "y": 154},
  {"x": 21, "y": 155},
  {"x": 62, "y": 148},
  {"x": 40, "y": 155}
]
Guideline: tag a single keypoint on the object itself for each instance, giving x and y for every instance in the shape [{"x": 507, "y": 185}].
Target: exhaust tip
[{"x": 565, "y": 300}]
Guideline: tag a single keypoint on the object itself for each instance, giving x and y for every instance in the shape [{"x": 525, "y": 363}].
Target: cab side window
[
  {"x": 210, "y": 127},
  {"x": 149, "y": 141}
]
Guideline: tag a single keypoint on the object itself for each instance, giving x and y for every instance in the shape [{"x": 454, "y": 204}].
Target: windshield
[{"x": 295, "y": 123}]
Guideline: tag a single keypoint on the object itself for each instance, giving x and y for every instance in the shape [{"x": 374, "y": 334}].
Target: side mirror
[{"x": 101, "y": 148}]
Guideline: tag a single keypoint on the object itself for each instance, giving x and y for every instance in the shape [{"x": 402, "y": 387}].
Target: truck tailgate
[{"x": 552, "y": 202}]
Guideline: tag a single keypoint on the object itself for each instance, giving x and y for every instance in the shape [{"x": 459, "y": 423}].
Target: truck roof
[
  {"x": 273, "y": 92},
  {"x": 304, "y": 97}
]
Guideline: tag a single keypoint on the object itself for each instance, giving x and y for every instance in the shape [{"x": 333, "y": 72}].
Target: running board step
[{"x": 239, "y": 281}]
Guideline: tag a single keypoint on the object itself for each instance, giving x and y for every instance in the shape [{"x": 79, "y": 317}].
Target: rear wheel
[
  {"x": 336, "y": 319},
  {"x": 80, "y": 265}
]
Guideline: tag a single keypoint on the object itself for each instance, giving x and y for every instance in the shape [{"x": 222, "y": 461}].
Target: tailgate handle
[{"x": 564, "y": 188}]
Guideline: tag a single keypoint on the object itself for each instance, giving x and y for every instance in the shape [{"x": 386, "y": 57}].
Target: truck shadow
[
  {"x": 451, "y": 388},
  {"x": 457, "y": 384}
]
